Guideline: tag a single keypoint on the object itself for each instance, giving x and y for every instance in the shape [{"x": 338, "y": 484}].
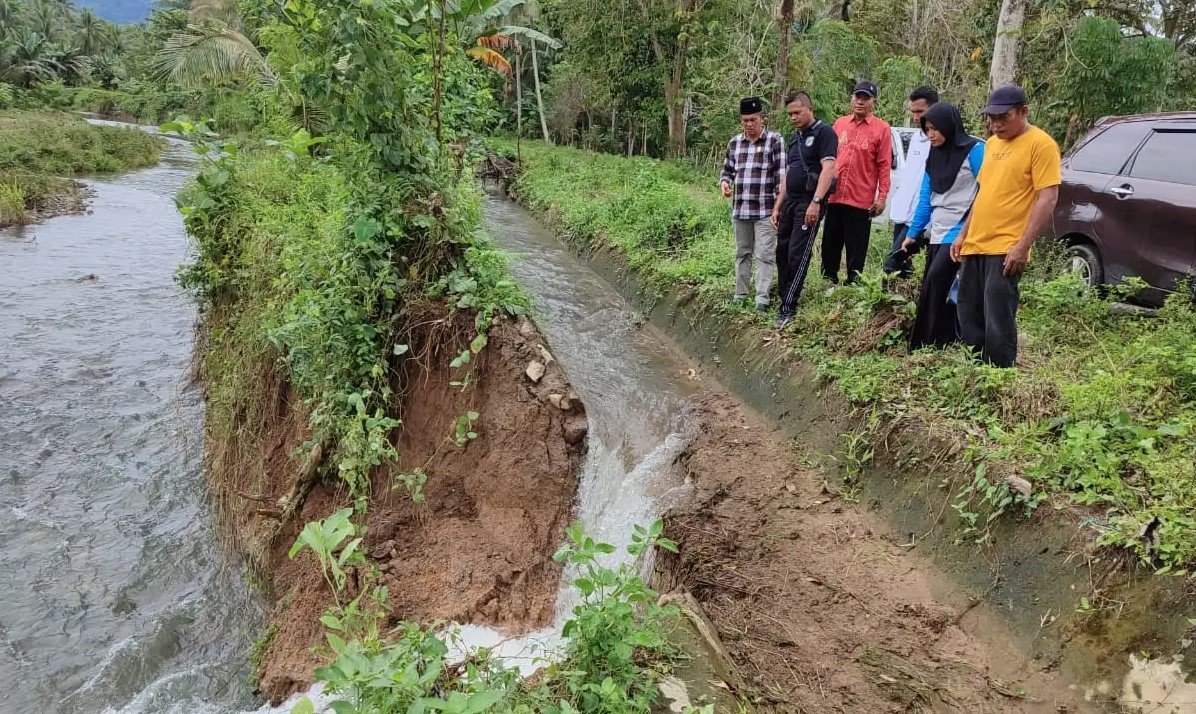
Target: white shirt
[{"x": 904, "y": 198}]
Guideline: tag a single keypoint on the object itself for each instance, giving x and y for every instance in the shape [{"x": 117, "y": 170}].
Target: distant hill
[{"x": 119, "y": 11}]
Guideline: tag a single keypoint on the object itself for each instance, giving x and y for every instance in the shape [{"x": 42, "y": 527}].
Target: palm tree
[
  {"x": 9, "y": 17},
  {"x": 90, "y": 32},
  {"x": 31, "y": 60},
  {"x": 211, "y": 49},
  {"x": 45, "y": 19},
  {"x": 210, "y": 54}
]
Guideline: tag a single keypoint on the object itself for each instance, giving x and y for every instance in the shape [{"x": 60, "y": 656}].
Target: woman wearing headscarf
[{"x": 948, "y": 190}]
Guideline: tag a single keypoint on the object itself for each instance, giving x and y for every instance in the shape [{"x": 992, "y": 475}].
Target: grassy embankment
[
  {"x": 1100, "y": 416},
  {"x": 40, "y": 152}
]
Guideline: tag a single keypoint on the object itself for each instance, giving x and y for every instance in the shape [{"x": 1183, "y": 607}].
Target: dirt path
[{"x": 819, "y": 607}]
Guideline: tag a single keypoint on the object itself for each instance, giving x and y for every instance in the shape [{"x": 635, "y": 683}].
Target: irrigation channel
[{"x": 117, "y": 596}]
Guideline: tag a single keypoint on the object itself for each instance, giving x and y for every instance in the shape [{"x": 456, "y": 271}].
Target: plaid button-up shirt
[{"x": 755, "y": 170}]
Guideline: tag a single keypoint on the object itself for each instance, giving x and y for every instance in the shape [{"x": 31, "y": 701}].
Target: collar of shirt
[{"x": 866, "y": 120}]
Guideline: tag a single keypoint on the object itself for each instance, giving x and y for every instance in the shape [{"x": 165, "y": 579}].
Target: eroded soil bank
[{"x": 479, "y": 549}]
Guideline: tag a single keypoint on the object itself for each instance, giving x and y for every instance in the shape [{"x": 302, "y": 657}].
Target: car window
[
  {"x": 1167, "y": 156},
  {"x": 1109, "y": 150}
]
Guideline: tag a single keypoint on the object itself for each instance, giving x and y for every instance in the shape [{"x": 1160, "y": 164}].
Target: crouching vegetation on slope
[
  {"x": 1100, "y": 417},
  {"x": 41, "y": 152}
]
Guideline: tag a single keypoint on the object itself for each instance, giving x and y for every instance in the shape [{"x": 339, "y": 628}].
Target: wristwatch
[{"x": 817, "y": 200}]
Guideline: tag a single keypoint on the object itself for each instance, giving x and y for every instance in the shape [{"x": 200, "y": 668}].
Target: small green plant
[
  {"x": 463, "y": 429},
  {"x": 327, "y": 540}
]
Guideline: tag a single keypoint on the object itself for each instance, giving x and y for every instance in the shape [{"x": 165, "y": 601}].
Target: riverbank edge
[
  {"x": 54, "y": 193},
  {"x": 1039, "y": 572},
  {"x": 531, "y": 411}
]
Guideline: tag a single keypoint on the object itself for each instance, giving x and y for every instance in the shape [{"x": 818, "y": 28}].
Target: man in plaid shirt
[{"x": 752, "y": 175}]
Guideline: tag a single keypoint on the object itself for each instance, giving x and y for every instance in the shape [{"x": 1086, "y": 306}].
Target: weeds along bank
[
  {"x": 388, "y": 438},
  {"x": 42, "y": 152},
  {"x": 1095, "y": 426}
]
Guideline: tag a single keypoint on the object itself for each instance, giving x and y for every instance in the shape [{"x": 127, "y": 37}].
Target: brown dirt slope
[
  {"x": 479, "y": 550},
  {"x": 820, "y": 609}
]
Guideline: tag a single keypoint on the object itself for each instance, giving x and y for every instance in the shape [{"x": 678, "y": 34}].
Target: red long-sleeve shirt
[{"x": 865, "y": 161}]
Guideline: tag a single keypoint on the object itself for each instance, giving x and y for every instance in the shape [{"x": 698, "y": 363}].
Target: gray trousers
[
  {"x": 988, "y": 309},
  {"x": 755, "y": 239}
]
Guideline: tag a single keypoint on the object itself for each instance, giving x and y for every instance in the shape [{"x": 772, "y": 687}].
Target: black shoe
[
  {"x": 761, "y": 308},
  {"x": 783, "y": 321}
]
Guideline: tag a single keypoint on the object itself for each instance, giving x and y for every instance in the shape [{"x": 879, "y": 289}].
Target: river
[{"x": 116, "y": 593}]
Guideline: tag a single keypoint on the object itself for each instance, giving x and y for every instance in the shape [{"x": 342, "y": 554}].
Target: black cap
[
  {"x": 750, "y": 105},
  {"x": 866, "y": 87},
  {"x": 1004, "y": 98}
]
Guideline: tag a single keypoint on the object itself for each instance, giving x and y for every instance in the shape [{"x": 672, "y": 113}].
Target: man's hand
[
  {"x": 956, "y": 247},
  {"x": 907, "y": 244},
  {"x": 812, "y": 212},
  {"x": 1016, "y": 260},
  {"x": 776, "y": 215},
  {"x": 878, "y": 207},
  {"x": 726, "y": 189}
]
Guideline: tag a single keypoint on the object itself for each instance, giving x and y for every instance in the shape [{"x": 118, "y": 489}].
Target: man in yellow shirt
[{"x": 1019, "y": 184}]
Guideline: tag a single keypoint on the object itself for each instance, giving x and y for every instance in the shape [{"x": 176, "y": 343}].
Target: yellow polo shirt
[{"x": 1012, "y": 174}]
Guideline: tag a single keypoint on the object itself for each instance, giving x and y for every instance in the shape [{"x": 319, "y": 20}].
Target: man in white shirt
[{"x": 904, "y": 199}]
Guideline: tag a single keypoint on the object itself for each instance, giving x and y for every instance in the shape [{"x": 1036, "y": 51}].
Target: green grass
[
  {"x": 1100, "y": 417},
  {"x": 41, "y": 151}
]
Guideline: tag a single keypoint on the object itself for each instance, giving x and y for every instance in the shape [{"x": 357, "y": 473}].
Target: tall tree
[
  {"x": 1007, "y": 43},
  {"x": 785, "y": 13}
]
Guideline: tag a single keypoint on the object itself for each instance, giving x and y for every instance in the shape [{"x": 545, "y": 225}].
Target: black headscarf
[{"x": 943, "y": 162}]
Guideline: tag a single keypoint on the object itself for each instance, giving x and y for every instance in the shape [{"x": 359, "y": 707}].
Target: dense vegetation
[
  {"x": 40, "y": 152},
  {"x": 662, "y": 77},
  {"x": 1102, "y": 416}
]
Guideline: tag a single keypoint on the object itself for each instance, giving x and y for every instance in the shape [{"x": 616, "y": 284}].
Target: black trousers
[
  {"x": 846, "y": 227},
  {"x": 937, "y": 322},
  {"x": 898, "y": 261},
  {"x": 988, "y": 309},
  {"x": 795, "y": 245}
]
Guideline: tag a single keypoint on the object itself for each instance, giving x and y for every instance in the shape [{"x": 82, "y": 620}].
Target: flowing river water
[
  {"x": 116, "y": 595},
  {"x": 115, "y": 592}
]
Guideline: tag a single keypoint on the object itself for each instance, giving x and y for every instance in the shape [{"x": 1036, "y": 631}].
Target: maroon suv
[{"x": 1127, "y": 205}]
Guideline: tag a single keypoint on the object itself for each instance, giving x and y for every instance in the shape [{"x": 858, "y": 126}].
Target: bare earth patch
[{"x": 818, "y": 606}]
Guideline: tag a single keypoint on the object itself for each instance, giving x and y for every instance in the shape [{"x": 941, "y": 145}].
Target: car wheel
[{"x": 1082, "y": 259}]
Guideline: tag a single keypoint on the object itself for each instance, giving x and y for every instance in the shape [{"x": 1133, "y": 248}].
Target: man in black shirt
[{"x": 809, "y": 175}]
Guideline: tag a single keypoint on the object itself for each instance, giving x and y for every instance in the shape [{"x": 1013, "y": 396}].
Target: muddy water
[
  {"x": 632, "y": 382},
  {"x": 115, "y": 594}
]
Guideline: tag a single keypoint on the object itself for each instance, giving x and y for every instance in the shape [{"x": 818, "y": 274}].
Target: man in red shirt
[{"x": 864, "y": 162}]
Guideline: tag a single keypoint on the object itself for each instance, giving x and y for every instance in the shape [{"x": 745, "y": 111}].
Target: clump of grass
[
  {"x": 12, "y": 204},
  {"x": 1101, "y": 414}
]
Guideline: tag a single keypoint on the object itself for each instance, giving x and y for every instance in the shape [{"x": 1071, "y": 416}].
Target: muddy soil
[
  {"x": 479, "y": 549},
  {"x": 820, "y": 609}
]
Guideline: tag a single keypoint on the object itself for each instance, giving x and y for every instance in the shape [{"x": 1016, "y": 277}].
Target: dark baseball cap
[
  {"x": 865, "y": 87},
  {"x": 1004, "y": 98}
]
